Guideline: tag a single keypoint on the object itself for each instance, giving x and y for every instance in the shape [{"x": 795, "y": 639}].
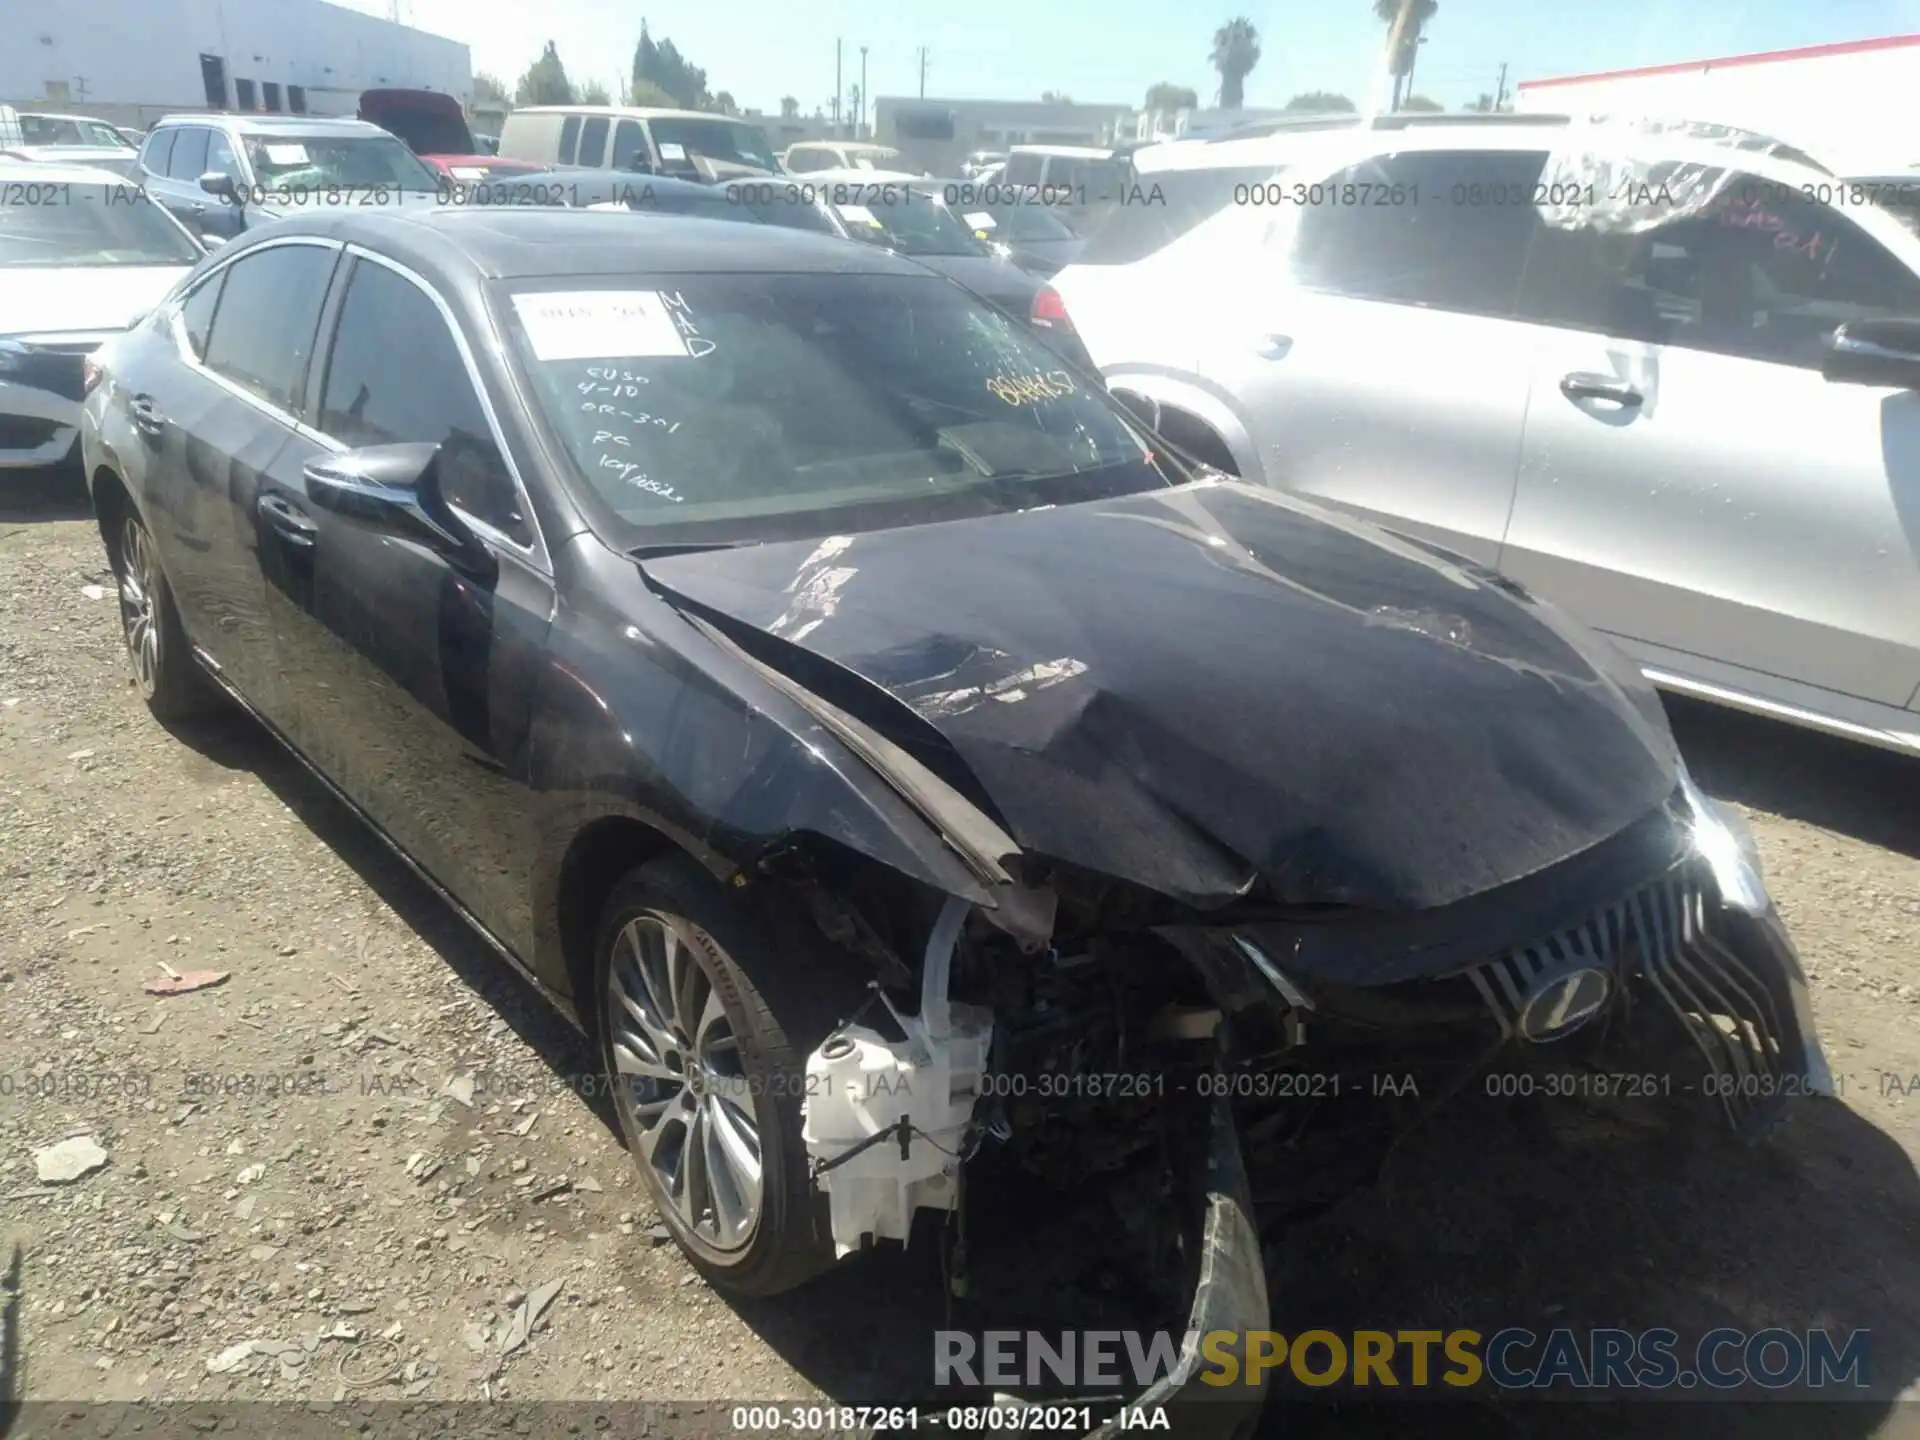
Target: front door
[
  {"x": 413, "y": 677},
  {"x": 1375, "y": 361},
  {"x": 1690, "y": 482}
]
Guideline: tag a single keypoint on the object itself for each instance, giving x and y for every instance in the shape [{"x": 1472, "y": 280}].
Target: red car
[{"x": 434, "y": 127}]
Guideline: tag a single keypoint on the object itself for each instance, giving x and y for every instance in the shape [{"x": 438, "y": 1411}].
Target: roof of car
[
  {"x": 275, "y": 124},
  {"x": 56, "y": 172},
  {"x": 62, "y": 115},
  {"x": 1071, "y": 152},
  {"x": 631, "y": 112},
  {"x": 539, "y": 242}
]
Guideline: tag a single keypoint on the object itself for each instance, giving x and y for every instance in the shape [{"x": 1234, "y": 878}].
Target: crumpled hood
[
  {"x": 1191, "y": 689},
  {"x": 81, "y": 299}
]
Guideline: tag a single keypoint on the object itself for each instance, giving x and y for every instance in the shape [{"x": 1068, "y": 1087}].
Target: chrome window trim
[
  {"x": 176, "y": 325},
  {"x": 536, "y": 553}
]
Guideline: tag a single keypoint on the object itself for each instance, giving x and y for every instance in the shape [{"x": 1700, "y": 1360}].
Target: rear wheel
[
  {"x": 170, "y": 681},
  {"x": 708, "y": 1005}
]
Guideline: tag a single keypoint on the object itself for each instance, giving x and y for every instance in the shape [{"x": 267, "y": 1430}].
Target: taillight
[
  {"x": 91, "y": 374},
  {"x": 1049, "y": 310}
]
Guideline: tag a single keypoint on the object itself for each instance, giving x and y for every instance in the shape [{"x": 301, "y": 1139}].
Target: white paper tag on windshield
[
  {"x": 599, "y": 325},
  {"x": 980, "y": 221},
  {"x": 856, "y": 214},
  {"x": 669, "y": 150},
  {"x": 468, "y": 172},
  {"x": 286, "y": 154}
]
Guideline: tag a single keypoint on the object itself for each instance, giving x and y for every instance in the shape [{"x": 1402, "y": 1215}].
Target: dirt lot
[{"x": 366, "y": 1147}]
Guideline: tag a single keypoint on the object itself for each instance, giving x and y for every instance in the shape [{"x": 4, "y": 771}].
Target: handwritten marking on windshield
[
  {"x": 643, "y": 418},
  {"x": 1031, "y": 389},
  {"x": 697, "y": 344},
  {"x": 632, "y": 475}
]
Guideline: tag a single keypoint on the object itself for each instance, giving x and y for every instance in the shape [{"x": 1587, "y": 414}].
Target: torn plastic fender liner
[
  {"x": 971, "y": 834},
  {"x": 1231, "y": 1296}
]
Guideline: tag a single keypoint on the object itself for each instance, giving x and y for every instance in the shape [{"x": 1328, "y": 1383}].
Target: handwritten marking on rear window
[{"x": 1031, "y": 389}]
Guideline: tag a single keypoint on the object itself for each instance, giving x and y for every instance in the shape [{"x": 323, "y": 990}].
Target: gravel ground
[{"x": 342, "y": 1172}]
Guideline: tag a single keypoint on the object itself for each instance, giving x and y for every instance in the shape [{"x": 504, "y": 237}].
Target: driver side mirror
[
  {"x": 1874, "y": 352},
  {"x": 219, "y": 184},
  {"x": 396, "y": 488}
]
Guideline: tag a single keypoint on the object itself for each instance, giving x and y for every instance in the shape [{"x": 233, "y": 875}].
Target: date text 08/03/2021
[{"x": 1056, "y": 1419}]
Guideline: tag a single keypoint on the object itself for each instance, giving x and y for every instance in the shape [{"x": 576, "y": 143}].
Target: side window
[
  {"x": 569, "y": 138},
  {"x": 197, "y": 311},
  {"x": 629, "y": 145},
  {"x": 593, "y": 140},
  {"x": 159, "y": 149},
  {"x": 189, "y": 160},
  {"x": 1023, "y": 170},
  {"x": 395, "y": 376},
  {"x": 1763, "y": 273},
  {"x": 1446, "y": 230},
  {"x": 268, "y": 314},
  {"x": 220, "y": 155}
]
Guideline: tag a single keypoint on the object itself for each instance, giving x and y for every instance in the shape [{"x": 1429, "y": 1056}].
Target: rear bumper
[{"x": 37, "y": 427}]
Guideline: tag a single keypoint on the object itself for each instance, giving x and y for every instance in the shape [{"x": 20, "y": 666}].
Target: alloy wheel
[
  {"x": 139, "y": 616},
  {"x": 682, "y": 1081}
]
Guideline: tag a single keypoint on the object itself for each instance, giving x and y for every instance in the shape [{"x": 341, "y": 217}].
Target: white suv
[{"x": 1665, "y": 376}]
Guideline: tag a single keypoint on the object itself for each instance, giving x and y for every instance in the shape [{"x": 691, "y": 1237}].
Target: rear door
[
  {"x": 1374, "y": 360},
  {"x": 216, "y": 426},
  {"x": 413, "y": 679},
  {"x": 1690, "y": 483}
]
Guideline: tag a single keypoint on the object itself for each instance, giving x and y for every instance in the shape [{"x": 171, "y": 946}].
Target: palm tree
[
  {"x": 1236, "y": 50},
  {"x": 1419, "y": 12}
]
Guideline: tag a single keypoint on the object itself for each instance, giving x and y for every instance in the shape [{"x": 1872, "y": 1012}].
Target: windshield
[
  {"x": 677, "y": 140},
  {"x": 905, "y": 220},
  {"x": 317, "y": 161},
  {"x": 59, "y": 130},
  {"x": 758, "y": 406},
  {"x": 1017, "y": 222},
  {"x": 45, "y": 226}
]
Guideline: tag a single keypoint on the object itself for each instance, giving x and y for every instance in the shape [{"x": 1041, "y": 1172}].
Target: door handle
[
  {"x": 1583, "y": 386},
  {"x": 285, "y": 520},
  {"x": 146, "y": 419}
]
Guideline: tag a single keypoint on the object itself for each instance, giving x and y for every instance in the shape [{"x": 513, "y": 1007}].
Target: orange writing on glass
[{"x": 1031, "y": 389}]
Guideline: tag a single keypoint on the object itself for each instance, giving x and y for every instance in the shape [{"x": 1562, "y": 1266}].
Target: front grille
[{"x": 1661, "y": 934}]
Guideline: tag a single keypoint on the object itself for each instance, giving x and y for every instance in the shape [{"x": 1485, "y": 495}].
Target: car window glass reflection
[
  {"x": 395, "y": 376},
  {"x": 268, "y": 313}
]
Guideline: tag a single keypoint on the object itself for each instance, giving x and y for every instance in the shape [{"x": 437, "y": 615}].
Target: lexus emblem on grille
[{"x": 1560, "y": 1004}]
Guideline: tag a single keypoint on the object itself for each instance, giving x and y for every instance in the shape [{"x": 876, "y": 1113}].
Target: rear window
[
  {"x": 50, "y": 226},
  {"x": 1133, "y": 232}
]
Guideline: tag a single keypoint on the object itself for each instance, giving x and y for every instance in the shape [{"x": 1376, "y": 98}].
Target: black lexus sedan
[{"x": 904, "y": 766}]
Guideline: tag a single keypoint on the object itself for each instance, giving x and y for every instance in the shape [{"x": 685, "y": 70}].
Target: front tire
[
  {"x": 169, "y": 679},
  {"x": 707, "y": 1005}
]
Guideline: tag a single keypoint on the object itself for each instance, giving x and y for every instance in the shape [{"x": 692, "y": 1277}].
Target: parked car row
[{"x": 1664, "y": 374}]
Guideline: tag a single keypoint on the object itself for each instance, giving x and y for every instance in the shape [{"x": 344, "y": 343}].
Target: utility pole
[
  {"x": 1500, "y": 89},
  {"x": 860, "y": 120},
  {"x": 80, "y": 88},
  {"x": 923, "y": 72},
  {"x": 837, "y": 89}
]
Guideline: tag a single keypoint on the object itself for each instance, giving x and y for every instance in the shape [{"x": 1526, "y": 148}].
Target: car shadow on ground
[
  {"x": 1497, "y": 1213},
  {"x": 1859, "y": 790}
]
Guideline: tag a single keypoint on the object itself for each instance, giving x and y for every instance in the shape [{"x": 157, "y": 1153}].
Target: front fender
[{"x": 1172, "y": 390}]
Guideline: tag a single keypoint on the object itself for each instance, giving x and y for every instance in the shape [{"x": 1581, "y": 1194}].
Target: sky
[{"x": 761, "y": 50}]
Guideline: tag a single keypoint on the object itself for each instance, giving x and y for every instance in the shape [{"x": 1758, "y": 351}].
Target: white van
[{"x": 691, "y": 144}]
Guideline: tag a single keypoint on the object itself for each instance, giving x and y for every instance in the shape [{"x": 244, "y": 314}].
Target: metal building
[{"x": 131, "y": 61}]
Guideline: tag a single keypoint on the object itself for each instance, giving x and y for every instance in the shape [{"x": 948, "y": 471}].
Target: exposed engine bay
[{"x": 1064, "y": 1043}]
